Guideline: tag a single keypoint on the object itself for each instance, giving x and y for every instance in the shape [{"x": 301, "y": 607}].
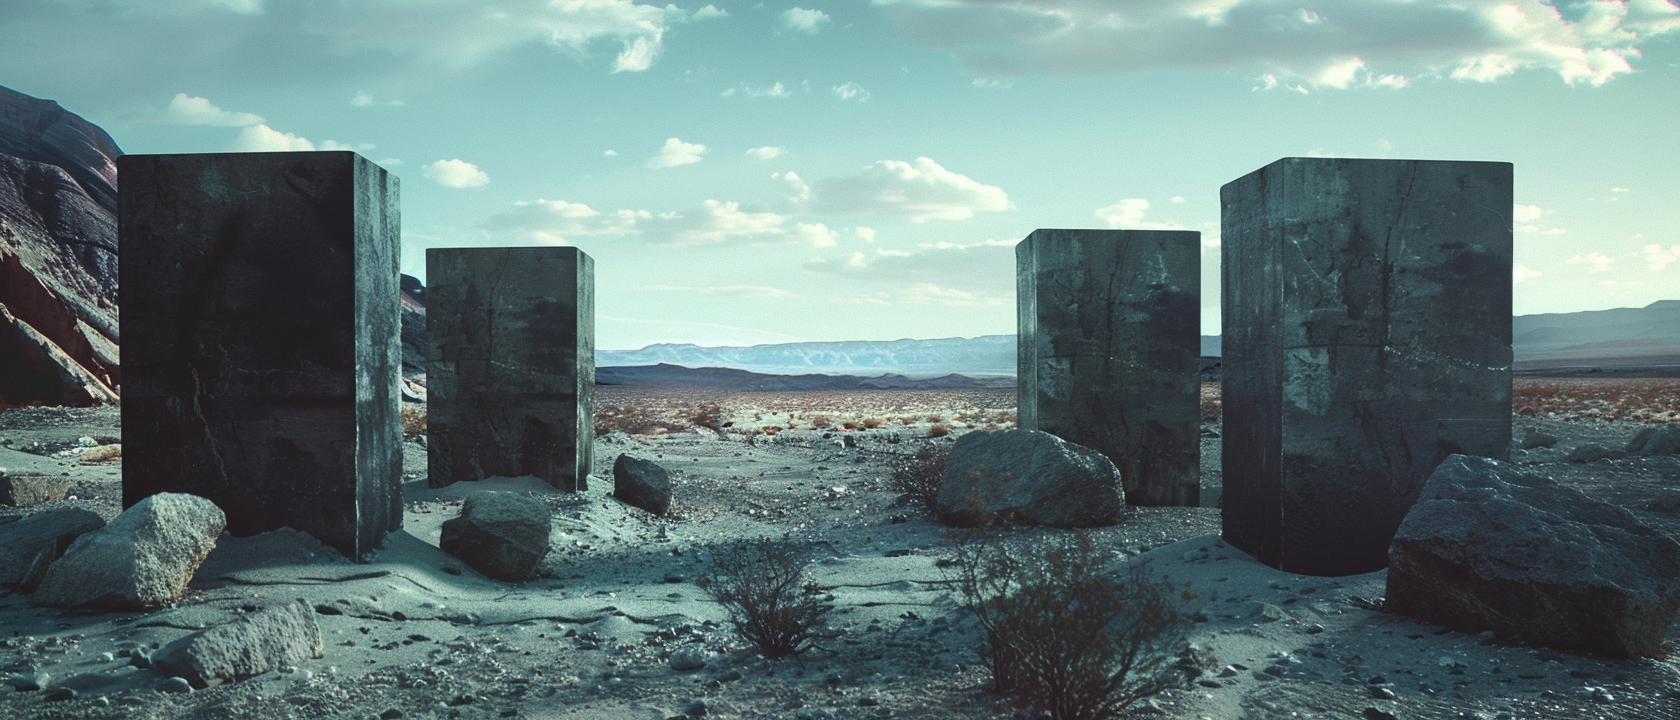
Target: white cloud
[
  {"x": 799, "y": 191},
  {"x": 1525, "y": 219},
  {"x": 717, "y": 222},
  {"x": 983, "y": 268},
  {"x": 1346, "y": 44},
  {"x": 777, "y": 90},
  {"x": 1129, "y": 214},
  {"x": 364, "y": 99},
  {"x": 262, "y": 138},
  {"x": 920, "y": 190},
  {"x": 1521, "y": 273},
  {"x": 610, "y": 153},
  {"x": 709, "y": 12},
  {"x": 752, "y": 292},
  {"x": 1599, "y": 261},
  {"x": 352, "y": 147},
  {"x": 1659, "y": 258},
  {"x": 768, "y": 152},
  {"x": 1177, "y": 199},
  {"x": 1526, "y": 213},
  {"x": 866, "y": 234},
  {"x": 851, "y": 91},
  {"x": 816, "y": 234},
  {"x": 676, "y": 152},
  {"x": 804, "y": 20},
  {"x": 456, "y": 173},
  {"x": 555, "y": 221},
  {"x": 1620, "y": 190},
  {"x": 184, "y": 109}
]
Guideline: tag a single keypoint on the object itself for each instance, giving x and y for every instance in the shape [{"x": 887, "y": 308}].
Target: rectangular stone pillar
[
  {"x": 511, "y": 377},
  {"x": 1108, "y": 347},
  {"x": 260, "y": 343},
  {"x": 1367, "y": 335}
]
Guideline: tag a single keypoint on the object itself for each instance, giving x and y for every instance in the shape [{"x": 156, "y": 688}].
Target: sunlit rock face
[
  {"x": 58, "y": 256},
  {"x": 1367, "y": 336},
  {"x": 511, "y": 381},
  {"x": 1108, "y": 331},
  {"x": 260, "y": 294}
]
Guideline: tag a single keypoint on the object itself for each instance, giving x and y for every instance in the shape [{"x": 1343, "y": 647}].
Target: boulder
[
  {"x": 269, "y": 639},
  {"x": 29, "y": 546},
  {"x": 1663, "y": 440},
  {"x": 503, "y": 535},
  {"x": 1489, "y": 548},
  {"x": 27, "y": 490},
  {"x": 1028, "y": 477},
  {"x": 642, "y": 483},
  {"x": 143, "y": 559}
]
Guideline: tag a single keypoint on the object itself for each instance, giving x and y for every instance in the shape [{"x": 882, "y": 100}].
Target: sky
[{"x": 823, "y": 170}]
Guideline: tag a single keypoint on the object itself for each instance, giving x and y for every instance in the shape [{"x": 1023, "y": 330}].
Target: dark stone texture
[
  {"x": 30, "y": 545},
  {"x": 270, "y": 639},
  {"x": 1367, "y": 335},
  {"x": 500, "y": 534},
  {"x": 642, "y": 483},
  {"x": 1109, "y": 351},
  {"x": 262, "y": 359},
  {"x": 1488, "y": 547},
  {"x": 511, "y": 378},
  {"x": 1027, "y": 477},
  {"x": 1656, "y": 441}
]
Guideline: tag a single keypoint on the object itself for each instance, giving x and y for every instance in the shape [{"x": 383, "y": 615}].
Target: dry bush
[
  {"x": 635, "y": 421},
  {"x": 821, "y": 422},
  {"x": 908, "y": 420},
  {"x": 1212, "y": 405},
  {"x": 872, "y": 423},
  {"x": 935, "y": 418},
  {"x": 772, "y": 430},
  {"x": 849, "y": 425},
  {"x": 770, "y": 598},
  {"x": 939, "y": 430},
  {"x": 413, "y": 419},
  {"x": 918, "y": 474},
  {"x": 1074, "y": 640},
  {"x": 102, "y": 453},
  {"x": 709, "y": 416},
  {"x": 1636, "y": 399}
]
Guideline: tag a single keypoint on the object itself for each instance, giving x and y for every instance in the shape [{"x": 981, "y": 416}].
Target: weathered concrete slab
[
  {"x": 511, "y": 375},
  {"x": 1367, "y": 336},
  {"x": 260, "y": 350},
  {"x": 1109, "y": 343}
]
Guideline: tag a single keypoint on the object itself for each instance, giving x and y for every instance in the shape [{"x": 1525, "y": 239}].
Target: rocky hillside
[{"x": 58, "y": 256}]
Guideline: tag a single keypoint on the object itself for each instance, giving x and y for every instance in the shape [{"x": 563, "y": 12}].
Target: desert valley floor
[{"x": 415, "y": 634}]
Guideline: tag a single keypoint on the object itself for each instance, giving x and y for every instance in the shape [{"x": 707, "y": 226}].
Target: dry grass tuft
[
  {"x": 102, "y": 453},
  {"x": 872, "y": 423},
  {"x": 939, "y": 430},
  {"x": 413, "y": 420},
  {"x": 918, "y": 475}
]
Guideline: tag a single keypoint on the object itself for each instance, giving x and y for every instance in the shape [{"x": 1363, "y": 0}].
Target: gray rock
[
  {"x": 143, "y": 559},
  {"x": 174, "y": 685},
  {"x": 1490, "y": 548},
  {"x": 29, "y": 546},
  {"x": 1536, "y": 439},
  {"x": 27, "y": 490},
  {"x": 1593, "y": 453},
  {"x": 276, "y": 637},
  {"x": 27, "y": 682},
  {"x": 500, "y": 534},
  {"x": 688, "y": 657},
  {"x": 642, "y": 483},
  {"x": 1663, "y": 440},
  {"x": 1028, "y": 477}
]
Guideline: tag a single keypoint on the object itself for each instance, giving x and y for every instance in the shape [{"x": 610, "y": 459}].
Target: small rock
[
  {"x": 1372, "y": 713},
  {"x": 35, "y": 542},
  {"x": 642, "y": 483},
  {"x": 27, "y": 682},
  {"x": 391, "y": 714},
  {"x": 1536, "y": 439},
  {"x": 174, "y": 685},
  {"x": 278, "y": 637},
  {"x": 695, "y": 708},
  {"x": 688, "y": 657},
  {"x": 1381, "y": 693},
  {"x": 503, "y": 535},
  {"x": 986, "y": 474},
  {"x": 59, "y": 694},
  {"x": 1663, "y": 440},
  {"x": 1594, "y": 453}
]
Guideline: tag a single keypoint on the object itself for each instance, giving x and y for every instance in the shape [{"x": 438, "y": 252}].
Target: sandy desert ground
[{"x": 416, "y": 634}]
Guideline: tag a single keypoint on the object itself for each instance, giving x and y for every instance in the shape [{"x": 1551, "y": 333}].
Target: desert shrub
[
  {"x": 935, "y": 419},
  {"x": 634, "y": 420},
  {"x": 821, "y": 421},
  {"x": 918, "y": 474},
  {"x": 849, "y": 425},
  {"x": 1059, "y": 631},
  {"x": 1212, "y": 405},
  {"x": 938, "y": 430},
  {"x": 872, "y": 423},
  {"x": 908, "y": 420},
  {"x": 770, "y": 597},
  {"x": 413, "y": 419},
  {"x": 710, "y": 416}
]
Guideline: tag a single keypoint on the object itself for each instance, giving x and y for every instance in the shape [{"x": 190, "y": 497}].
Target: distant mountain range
[
  {"x": 1620, "y": 338},
  {"x": 742, "y": 380}
]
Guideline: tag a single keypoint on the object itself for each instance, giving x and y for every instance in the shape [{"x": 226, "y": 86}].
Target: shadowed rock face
[
  {"x": 1488, "y": 547},
  {"x": 58, "y": 256},
  {"x": 1028, "y": 477}
]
